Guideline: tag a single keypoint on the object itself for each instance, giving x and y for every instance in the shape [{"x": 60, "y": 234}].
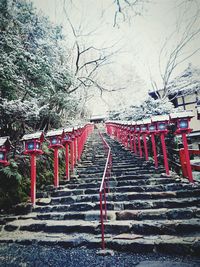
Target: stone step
[
  {"x": 52, "y": 226},
  {"x": 118, "y": 171},
  {"x": 161, "y": 227},
  {"x": 115, "y": 169},
  {"x": 124, "y": 178},
  {"x": 86, "y": 216},
  {"x": 84, "y": 178},
  {"x": 122, "y": 205},
  {"x": 157, "y": 214},
  {"x": 124, "y": 197},
  {"x": 136, "y": 215},
  {"x": 133, "y": 172},
  {"x": 151, "y": 181},
  {"x": 124, "y": 189},
  {"x": 147, "y": 227}
]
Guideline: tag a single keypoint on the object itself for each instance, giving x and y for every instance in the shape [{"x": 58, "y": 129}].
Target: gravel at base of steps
[{"x": 41, "y": 256}]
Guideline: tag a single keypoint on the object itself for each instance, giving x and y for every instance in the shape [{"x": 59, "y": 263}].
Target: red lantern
[
  {"x": 32, "y": 143},
  {"x": 5, "y": 145},
  {"x": 55, "y": 137},
  {"x": 182, "y": 120}
]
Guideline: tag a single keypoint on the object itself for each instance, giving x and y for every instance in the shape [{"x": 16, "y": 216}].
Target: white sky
[{"x": 141, "y": 40}]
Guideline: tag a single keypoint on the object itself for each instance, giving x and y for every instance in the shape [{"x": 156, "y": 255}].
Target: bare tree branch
[
  {"x": 123, "y": 7},
  {"x": 176, "y": 55}
]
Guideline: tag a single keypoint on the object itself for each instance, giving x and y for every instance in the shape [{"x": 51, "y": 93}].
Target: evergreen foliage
[
  {"x": 34, "y": 83},
  {"x": 34, "y": 76}
]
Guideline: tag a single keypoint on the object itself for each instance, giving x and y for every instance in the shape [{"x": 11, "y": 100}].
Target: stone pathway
[
  {"x": 15, "y": 255},
  {"x": 147, "y": 210}
]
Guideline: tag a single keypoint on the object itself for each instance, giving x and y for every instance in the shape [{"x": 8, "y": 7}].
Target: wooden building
[
  {"x": 98, "y": 118},
  {"x": 184, "y": 93}
]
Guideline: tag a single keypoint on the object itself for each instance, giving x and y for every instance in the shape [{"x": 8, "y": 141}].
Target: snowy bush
[{"x": 148, "y": 108}]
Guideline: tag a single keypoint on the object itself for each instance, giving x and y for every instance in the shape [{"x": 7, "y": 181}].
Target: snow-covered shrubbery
[
  {"x": 188, "y": 82},
  {"x": 148, "y": 108},
  {"x": 34, "y": 84},
  {"x": 34, "y": 75}
]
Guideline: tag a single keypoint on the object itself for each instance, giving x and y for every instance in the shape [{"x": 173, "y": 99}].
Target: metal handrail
[{"x": 102, "y": 190}]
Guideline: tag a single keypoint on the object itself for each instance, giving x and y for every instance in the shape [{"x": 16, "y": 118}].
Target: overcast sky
[{"x": 140, "y": 40}]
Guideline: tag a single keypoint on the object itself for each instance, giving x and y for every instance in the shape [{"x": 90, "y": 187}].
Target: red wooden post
[
  {"x": 131, "y": 142},
  {"x": 75, "y": 150},
  {"x": 67, "y": 161},
  {"x": 82, "y": 140},
  {"x": 145, "y": 147},
  {"x": 187, "y": 157},
  {"x": 121, "y": 135},
  {"x": 72, "y": 155},
  {"x": 124, "y": 137},
  {"x": 115, "y": 132},
  {"x": 81, "y": 144},
  {"x": 134, "y": 144},
  {"x": 118, "y": 133},
  {"x": 154, "y": 150},
  {"x": 139, "y": 146},
  {"x": 144, "y": 132},
  {"x": 128, "y": 137},
  {"x": 183, "y": 162},
  {"x": 78, "y": 146},
  {"x": 137, "y": 133},
  {"x": 33, "y": 178},
  {"x": 79, "y": 141},
  {"x": 56, "y": 164},
  {"x": 164, "y": 149}
]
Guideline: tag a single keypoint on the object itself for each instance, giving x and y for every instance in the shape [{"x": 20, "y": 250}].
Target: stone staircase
[{"x": 147, "y": 210}]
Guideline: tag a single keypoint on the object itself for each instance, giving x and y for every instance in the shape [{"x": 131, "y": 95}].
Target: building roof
[
  {"x": 186, "y": 83},
  {"x": 98, "y": 117}
]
